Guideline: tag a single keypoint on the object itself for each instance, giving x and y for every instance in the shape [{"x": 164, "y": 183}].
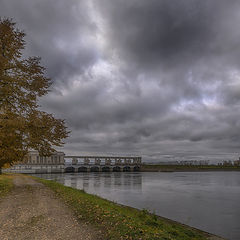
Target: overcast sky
[{"x": 156, "y": 78}]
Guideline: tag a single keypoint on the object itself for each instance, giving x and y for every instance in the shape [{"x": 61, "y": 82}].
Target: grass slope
[
  {"x": 6, "y": 184},
  {"x": 119, "y": 222}
]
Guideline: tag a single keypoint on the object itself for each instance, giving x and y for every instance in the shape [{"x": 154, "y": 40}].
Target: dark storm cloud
[
  {"x": 158, "y": 78},
  {"x": 58, "y": 31},
  {"x": 160, "y": 33},
  {"x": 190, "y": 47}
]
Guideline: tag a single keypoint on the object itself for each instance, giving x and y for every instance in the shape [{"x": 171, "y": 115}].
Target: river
[{"x": 209, "y": 201}]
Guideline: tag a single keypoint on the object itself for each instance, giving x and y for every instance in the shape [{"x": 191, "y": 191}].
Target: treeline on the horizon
[{"x": 235, "y": 163}]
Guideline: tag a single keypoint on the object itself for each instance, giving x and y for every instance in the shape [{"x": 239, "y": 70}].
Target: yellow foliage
[
  {"x": 6, "y": 165},
  {"x": 22, "y": 81}
]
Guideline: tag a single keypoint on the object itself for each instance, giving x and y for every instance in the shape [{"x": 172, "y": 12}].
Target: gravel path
[{"x": 32, "y": 211}]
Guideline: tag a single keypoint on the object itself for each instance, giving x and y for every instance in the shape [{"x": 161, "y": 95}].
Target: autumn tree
[{"x": 22, "y": 81}]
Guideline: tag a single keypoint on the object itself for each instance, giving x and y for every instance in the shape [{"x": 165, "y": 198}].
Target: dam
[{"x": 59, "y": 163}]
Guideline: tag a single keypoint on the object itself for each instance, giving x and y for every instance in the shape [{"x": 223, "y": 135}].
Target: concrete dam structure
[
  {"x": 59, "y": 163},
  {"x": 103, "y": 164}
]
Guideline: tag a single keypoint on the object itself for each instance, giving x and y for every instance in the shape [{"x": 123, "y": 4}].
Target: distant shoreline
[{"x": 177, "y": 168}]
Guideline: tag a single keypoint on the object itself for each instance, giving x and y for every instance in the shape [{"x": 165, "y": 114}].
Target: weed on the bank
[{"x": 5, "y": 184}]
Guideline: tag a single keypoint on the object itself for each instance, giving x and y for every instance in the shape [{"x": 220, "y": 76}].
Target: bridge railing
[{"x": 100, "y": 160}]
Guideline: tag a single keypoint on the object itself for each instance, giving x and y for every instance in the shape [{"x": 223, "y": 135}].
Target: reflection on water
[
  {"x": 92, "y": 182},
  {"x": 205, "y": 200}
]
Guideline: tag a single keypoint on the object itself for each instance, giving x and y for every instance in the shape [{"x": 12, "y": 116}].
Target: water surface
[{"x": 206, "y": 200}]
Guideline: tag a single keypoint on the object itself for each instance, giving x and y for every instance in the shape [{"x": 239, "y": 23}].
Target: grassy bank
[
  {"x": 176, "y": 168},
  {"x": 6, "y": 184},
  {"x": 119, "y": 222}
]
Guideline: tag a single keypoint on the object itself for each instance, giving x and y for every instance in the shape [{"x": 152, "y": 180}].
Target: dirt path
[{"x": 32, "y": 211}]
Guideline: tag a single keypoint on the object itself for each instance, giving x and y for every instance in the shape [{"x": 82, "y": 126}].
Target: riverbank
[
  {"x": 111, "y": 220},
  {"x": 6, "y": 184},
  {"x": 29, "y": 210},
  {"x": 183, "y": 168}
]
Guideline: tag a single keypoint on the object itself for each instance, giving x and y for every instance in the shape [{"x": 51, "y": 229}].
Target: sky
[{"x": 157, "y": 78}]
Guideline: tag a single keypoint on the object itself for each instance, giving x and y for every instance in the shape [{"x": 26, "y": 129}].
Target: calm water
[{"x": 206, "y": 200}]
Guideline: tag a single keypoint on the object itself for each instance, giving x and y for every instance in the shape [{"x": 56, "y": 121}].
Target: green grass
[
  {"x": 6, "y": 184},
  {"x": 118, "y": 222}
]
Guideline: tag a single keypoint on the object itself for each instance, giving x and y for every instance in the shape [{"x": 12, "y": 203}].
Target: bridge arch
[
  {"x": 116, "y": 169},
  {"x": 126, "y": 169},
  {"x": 69, "y": 169},
  {"x": 82, "y": 169},
  {"x": 136, "y": 169},
  {"x": 94, "y": 169},
  {"x": 106, "y": 169}
]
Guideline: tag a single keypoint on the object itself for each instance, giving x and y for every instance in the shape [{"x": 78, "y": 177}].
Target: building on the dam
[
  {"x": 34, "y": 163},
  {"x": 59, "y": 163}
]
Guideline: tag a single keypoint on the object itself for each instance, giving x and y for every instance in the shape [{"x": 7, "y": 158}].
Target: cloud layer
[{"x": 154, "y": 78}]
